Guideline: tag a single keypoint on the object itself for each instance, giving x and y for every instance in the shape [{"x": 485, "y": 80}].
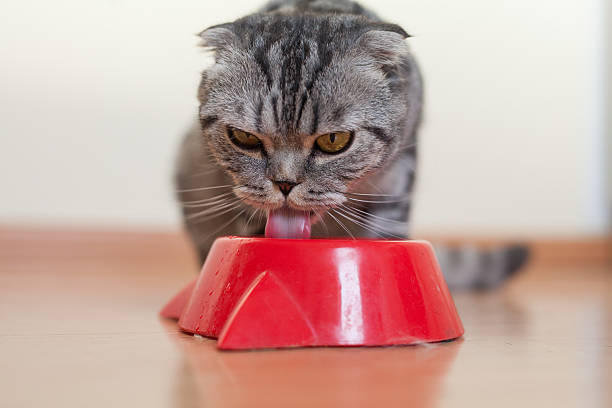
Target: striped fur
[{"x": 294, "y": 71}]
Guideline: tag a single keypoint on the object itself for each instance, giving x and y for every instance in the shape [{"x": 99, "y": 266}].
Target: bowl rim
[{"x": 342, "y": 240}]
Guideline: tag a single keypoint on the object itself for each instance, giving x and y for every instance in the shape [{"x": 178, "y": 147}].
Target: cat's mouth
[{"x": 286, "y": 222}]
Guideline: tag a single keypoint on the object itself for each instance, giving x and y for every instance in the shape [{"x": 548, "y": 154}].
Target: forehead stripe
[
  {"x": 258, "y": 119},
  {"x": 275, "y": 110},
  {"x": 207, "y": 121},
  {"x": 379, "y": 133}
]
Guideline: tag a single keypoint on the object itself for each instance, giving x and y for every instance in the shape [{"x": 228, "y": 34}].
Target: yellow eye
[
  {"x": 333, "y": 142},
  {"x": 243, "y": 139}
]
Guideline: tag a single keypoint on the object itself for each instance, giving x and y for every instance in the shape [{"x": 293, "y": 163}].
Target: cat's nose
[{"x": 285, "y": 186}]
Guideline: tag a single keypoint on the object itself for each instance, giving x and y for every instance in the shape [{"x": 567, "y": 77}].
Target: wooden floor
[{"x": 79, "y": 328}]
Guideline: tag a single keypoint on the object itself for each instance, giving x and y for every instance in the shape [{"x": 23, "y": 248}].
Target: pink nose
[{"x": 285, "y": 186}]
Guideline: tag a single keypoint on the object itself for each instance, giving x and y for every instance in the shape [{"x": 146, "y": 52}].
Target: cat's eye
[
  {"x": 334, "y": 142},
  {"x": 243, "y": 139}
]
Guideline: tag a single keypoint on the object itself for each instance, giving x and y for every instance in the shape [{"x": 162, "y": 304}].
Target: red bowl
[{"x": 261, "y": 293}]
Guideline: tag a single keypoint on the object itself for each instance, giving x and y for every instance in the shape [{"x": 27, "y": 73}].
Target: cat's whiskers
[
  {"x": 251, "y": 218},
  {"x": 189, "y": 190},
  {"x": 229, "y": 206},
  {"x": 212, "y": 216},
  {"x": 206, "y": 172},
  {"x": 357, "y": 222},
  {"x": 260, "y": 216},
  {"x": 377, "y": 195},
  {"x": 374, "y": 186},
  {"x": 410, "y": 146},
  {"x": 215, "y": 210},
  {"x": 384, "y": 225},
  {"x": 321, "y": 216},
  {"x": 218, "y": 197},
  {"x": 211, "y": 204},
  {"x": 234, "y": 218},
  {"x": 340, "y": 223},
  {"x": 365, "y": 223},
  {"x": 404, "y": 199},
  {"x": 374, "y": 216}
]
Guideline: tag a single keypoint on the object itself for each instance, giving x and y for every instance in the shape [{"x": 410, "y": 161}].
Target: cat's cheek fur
[
  {"x": 266, "y": 198},
  {"x": 316, "y": 203}
]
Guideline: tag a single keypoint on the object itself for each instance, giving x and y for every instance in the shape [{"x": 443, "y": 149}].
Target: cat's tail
[{"x": 471, "y": 267}]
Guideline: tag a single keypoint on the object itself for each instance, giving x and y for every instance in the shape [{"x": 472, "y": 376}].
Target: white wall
[
  {"x": 514, "y": 138},
  {"x": 95, "y": 94}
]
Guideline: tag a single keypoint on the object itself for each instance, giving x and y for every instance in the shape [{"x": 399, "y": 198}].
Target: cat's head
[{"x": 298, "y": 109}]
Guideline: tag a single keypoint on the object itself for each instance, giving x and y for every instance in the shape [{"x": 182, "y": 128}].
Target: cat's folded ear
[
  {"x": 218, "y": 37},
  {"x": 385, "y": 42}
]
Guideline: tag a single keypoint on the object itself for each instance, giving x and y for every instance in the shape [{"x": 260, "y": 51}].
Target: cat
[{"x": 313, "y": 105}]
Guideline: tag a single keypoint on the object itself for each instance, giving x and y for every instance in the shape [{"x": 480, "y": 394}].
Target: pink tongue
[{"x": 288, "y": 223}]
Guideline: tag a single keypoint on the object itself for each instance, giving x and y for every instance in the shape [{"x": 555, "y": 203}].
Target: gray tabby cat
[{"x": 312, "y": 105}]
